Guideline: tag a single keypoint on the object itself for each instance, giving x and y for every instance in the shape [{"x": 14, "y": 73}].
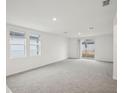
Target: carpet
[{"x": 69, "y": 76}]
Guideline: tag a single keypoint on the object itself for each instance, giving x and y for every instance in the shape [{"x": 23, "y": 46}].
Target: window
[
  {"x": 88, "y": 48},
  {"x": 34, "y": 44},
  {"x": 17, "y": 44}
]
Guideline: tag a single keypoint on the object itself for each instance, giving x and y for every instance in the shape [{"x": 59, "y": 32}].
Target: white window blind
[
  {"x": 34, "y": 44},
  {"x": 17, "y": 44}
]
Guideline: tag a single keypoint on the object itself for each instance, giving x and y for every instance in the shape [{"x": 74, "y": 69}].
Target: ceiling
[{"x": 74, "y": 18}]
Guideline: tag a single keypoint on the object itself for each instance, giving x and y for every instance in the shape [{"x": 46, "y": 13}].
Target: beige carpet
[{"x": 69, "y": 76}]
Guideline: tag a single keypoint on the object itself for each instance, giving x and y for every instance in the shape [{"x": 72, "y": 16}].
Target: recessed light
[
  {"x": 79, "y": 33},
  {"x": 54, "y": 19}
]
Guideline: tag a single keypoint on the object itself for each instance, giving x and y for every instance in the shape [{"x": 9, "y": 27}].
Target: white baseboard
[
  {"x": 29, "y": 69},
  {"x": 104, "y": 60}
]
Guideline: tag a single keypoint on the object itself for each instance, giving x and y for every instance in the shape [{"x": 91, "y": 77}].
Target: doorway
[{"x": 87, "y": 48}]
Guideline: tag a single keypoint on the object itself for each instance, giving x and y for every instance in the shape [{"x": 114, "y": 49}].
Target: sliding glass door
[{"x": 87, "y": 48}]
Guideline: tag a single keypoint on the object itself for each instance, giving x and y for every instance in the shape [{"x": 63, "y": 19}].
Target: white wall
[
  {"x": 115, "y": 49},
  {"x": 8, "y": 90},
  {"x": 53, "y": 48},
  {"x": 104, "y": 48},
  {"x": 74, "y": 48}
]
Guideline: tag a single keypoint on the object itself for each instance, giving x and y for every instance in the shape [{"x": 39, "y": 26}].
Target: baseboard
[
  {"x": 52, "y": 63},
  {"x": 73, "y": 58},
  {"x": 110, "y": 61}
]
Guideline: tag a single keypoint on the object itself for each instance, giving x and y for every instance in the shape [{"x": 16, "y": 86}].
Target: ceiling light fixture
[
  {"x": 91, "y": 27},
  {"x": 54, "y": 19},
  {"x": 65, "y": 32}
]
